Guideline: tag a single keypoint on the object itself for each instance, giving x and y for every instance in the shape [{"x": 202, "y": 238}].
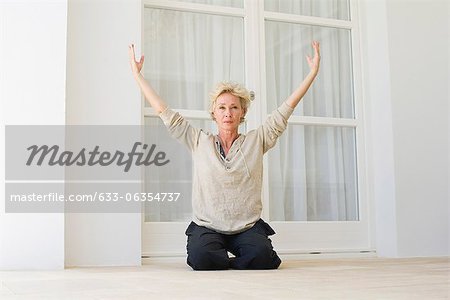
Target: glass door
[
  {"x": 314, "y": 178},
  {"x": 189, "y": 46},
  {"x": 315, "y": 189}
]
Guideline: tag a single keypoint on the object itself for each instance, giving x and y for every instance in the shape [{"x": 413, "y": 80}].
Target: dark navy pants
[{"x": 208, "y": 249}]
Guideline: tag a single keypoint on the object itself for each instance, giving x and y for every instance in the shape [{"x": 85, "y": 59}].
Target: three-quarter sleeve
[
  {"x": 274, "y": 126},
  {"x": 180, "y": 129}
]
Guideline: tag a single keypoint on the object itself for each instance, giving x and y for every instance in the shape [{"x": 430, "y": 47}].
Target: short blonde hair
[{"x": 234, "y": 89}]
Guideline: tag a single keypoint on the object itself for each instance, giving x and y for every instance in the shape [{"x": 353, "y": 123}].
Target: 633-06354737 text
[{"x": 96, "y": 196}]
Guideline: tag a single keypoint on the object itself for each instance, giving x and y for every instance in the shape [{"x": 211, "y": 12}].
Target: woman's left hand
[{"x": 315, "y": 61}]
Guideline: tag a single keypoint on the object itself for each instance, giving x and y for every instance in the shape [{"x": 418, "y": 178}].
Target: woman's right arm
[
  {"x": 177, "y": 126},
  {"x": 152, "y": 97}
]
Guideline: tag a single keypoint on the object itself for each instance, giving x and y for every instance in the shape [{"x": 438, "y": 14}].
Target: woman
[{"x": 227, "y": 174}]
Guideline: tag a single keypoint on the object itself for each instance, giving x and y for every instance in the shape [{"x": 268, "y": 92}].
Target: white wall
[
  {"x": 405, "y": 54},
  {"x": 32, "y": 87},
  {"x": 418, "y": 51},
  {"x": 101, "y": 90},
  {"x": 406, "y": 64}
]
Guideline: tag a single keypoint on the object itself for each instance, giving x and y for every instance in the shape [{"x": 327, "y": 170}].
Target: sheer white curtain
[
  {"x": 335, "y": 9},
  {"x": 186, "y": 54},
  {"x": 312, "y": 171}
]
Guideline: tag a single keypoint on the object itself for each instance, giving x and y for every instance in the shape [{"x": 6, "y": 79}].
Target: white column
[
  {"x": 101, "y": 90},
  {"x": 32, "y": 87}
]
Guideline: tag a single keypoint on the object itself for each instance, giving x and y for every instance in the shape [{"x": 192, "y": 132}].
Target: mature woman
[{"x": 227, "y": 174}]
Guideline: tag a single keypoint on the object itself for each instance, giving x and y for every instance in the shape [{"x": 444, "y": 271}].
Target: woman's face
[{"x": 228, "y": 112}]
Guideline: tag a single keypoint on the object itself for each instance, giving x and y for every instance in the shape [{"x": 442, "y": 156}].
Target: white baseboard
[{"x": 286, "y": 255}]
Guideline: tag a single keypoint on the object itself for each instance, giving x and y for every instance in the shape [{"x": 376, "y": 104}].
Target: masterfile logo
[
  {"x": 85, "y": 152},
  {"x": 90, "y": 158}
]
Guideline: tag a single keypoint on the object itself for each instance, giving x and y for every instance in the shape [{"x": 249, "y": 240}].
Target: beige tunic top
[{"x": 226, "y": 193}]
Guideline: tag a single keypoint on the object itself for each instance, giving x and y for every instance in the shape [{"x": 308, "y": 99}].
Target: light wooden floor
[{"x": 362, "y": 278}]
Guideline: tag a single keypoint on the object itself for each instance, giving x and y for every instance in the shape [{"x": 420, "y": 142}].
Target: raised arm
[
  {"x": 314, "y": 63},
  {"x": 152, "y": 97}
]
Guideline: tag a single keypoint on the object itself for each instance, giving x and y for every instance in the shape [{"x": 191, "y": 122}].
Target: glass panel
[
  {"x": 186, "y": 54},
  {"x": 312, "y": 175},
  {"x": 231, "y": 3},
  {"x": 334, "y": 9},
  {"x": 174, "y": 177},
  {"x": 286, "y": 47}
]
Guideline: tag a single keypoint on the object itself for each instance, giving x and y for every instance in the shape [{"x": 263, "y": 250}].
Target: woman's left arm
[{"x": 313, "y": 63}]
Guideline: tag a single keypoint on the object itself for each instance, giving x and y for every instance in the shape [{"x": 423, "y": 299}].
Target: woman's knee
[
  {"x": 207, "y": 259},
  {"x": 255, "y": 252},
  {"x": 205, "y": 249},
  {"x": 263, "y": 257}
]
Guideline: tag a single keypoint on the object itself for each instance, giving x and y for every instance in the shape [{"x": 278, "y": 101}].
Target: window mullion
[
  {"x": 307, "y": 20},
  {"x": 322, "y": 121},
  {"x": 195, "y": 7}
]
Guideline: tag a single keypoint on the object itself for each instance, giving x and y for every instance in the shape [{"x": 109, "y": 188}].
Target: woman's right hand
[{"x": 136, "y": 66}]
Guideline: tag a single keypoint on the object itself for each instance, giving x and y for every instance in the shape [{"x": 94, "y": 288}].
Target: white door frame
[{"x": 167, "y": 239}]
